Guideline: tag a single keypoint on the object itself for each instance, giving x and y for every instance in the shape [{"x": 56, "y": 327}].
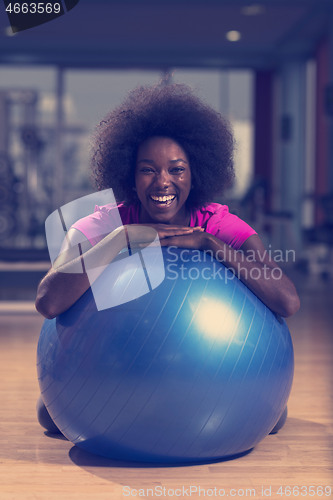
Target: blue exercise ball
[{"x": 197, "y": 369}]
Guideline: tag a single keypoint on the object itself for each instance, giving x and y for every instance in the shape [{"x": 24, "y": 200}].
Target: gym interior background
[{"x": 268, "y": 67}]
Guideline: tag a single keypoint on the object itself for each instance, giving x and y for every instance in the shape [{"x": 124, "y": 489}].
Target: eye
[
  {"x": 146, "y": 170},
  {"x": 177, "y": 170}
]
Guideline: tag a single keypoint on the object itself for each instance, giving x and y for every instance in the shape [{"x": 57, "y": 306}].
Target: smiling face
[{"x": 163, "y": 181}]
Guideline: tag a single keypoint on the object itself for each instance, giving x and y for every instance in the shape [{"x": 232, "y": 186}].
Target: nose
[{"x": 163, "y": 180}]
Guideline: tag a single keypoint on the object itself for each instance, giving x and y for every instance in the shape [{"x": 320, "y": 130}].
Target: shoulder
[
  {"x": 229, "y": 228},
  {"x": 106, "y": 219},
  {"x": 126, "y": 214},
  {"x": 202, "y": 214}
]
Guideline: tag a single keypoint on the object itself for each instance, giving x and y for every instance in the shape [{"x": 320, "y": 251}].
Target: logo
[
  {"x": 26, "y": 14},
  {"x": 134, "y": 272}
]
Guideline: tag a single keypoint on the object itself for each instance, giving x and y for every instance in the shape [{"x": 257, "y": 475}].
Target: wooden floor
[{"x": 36, "y": 466}]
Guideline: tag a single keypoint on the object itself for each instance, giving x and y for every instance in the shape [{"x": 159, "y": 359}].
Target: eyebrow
[{"x": 171, "y": 161}]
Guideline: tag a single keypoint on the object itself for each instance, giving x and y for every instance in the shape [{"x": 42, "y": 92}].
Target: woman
[{"x": 166, "y": 154}]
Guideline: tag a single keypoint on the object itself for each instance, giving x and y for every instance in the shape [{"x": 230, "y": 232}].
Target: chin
[
  {"x": 160, "y": 216},
  {"x": 163, "y": 219}
]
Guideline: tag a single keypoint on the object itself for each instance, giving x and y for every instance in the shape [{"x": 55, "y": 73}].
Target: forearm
[
  {"x": 263, "y": 277},
  {"x": 69, "y": 278},
  {"x": 58, "y": 291}
]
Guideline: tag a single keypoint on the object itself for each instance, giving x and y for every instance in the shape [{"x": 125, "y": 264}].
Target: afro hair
[{"x": 172, "y": 111}]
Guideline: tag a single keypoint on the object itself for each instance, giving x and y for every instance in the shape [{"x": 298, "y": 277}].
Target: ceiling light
[
  {"x": 233, "y": 36},
  {"x": 8, "y": 31},
  {"x": 253, "y": 10}
]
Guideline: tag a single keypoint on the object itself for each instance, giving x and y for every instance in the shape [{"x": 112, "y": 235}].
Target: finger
[
  {"x": 175, "y": 229},
  {"x": 178, "y": 241},
  {"x": 182, "y": 230},
  {"x": 140, "y": 246},
  {"x": 178, "y": 232},
  {"x": 185, "y": 228}
]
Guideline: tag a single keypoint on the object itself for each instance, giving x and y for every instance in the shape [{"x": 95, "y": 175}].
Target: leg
[
  {"x": 280, "y": 423},
  {"x": 44, "y": 418}
]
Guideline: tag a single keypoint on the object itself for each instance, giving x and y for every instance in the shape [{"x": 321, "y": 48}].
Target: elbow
[
  {"x": 44, "y": 310},
  {"x": 44, "y": 306},
  {"x": 290, "y": 305}
]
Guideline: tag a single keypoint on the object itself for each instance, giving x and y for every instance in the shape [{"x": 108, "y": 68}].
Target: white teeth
[{"x": 163, "y": 199}]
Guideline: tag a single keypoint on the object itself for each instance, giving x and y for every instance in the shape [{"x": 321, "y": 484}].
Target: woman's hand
[
  {"x": 146, "y": 233},
  {"x": 196, "y": 240}
]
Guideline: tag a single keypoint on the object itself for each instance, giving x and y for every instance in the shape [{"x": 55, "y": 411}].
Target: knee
[
  {"x": 280, "y": 423},
  {"x": 44, "y": 418}
]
